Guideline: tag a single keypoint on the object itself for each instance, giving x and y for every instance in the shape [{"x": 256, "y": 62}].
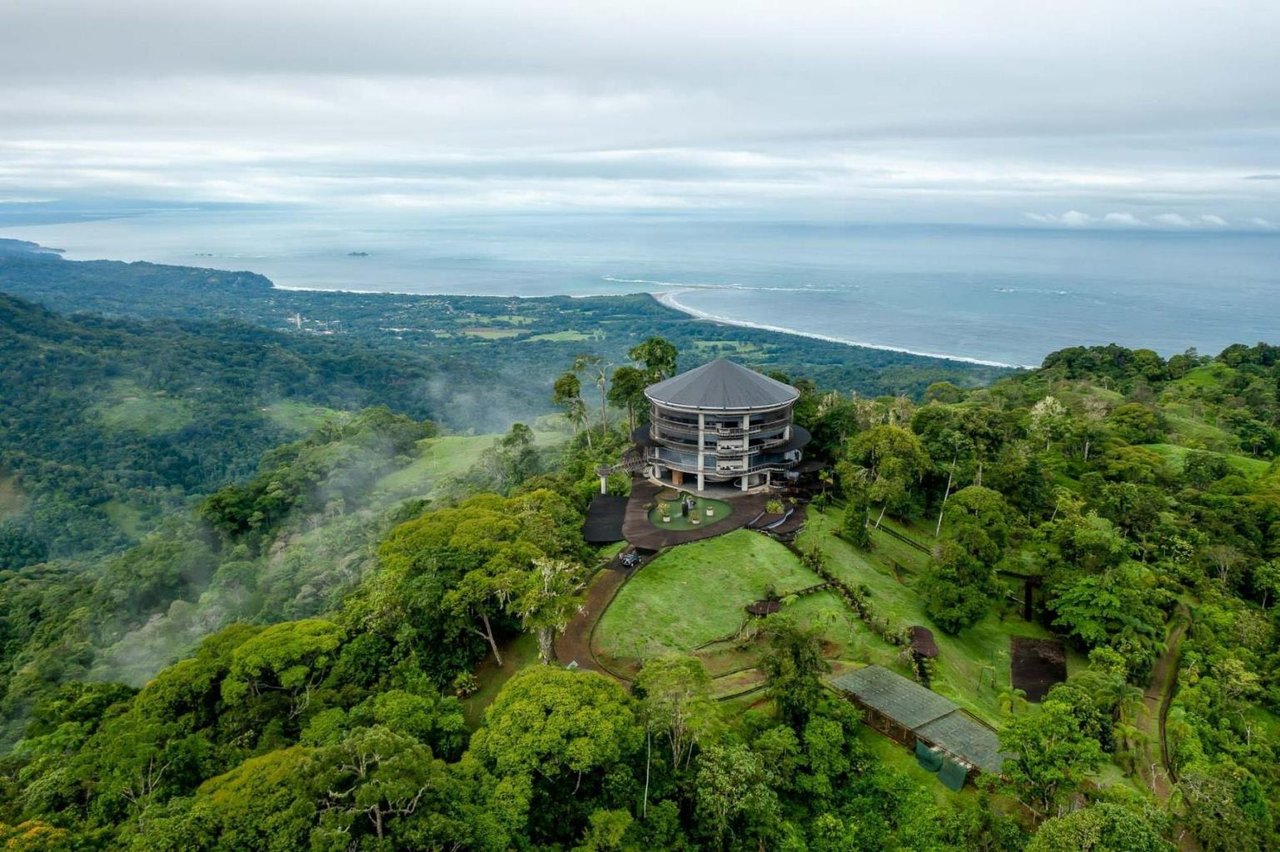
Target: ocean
[{"x": 1000, "y": 295}]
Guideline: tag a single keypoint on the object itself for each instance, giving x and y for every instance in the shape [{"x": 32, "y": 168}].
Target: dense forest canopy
[{"x": 252, "y": 596}]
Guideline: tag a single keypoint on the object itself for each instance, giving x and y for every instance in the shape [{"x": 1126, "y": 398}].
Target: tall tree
[
  {"x": 550, "y": 596},
  {"x": 676, "y": 703},
  {"x": 551, "y": 737},
  {"x": 792, "y": 664},
  {"x": 566, "y": 392},
  {"x": 597, "y": 372},
  {"x": 895, "y": 461},
  {"x": 1050, "y": 757},
  {"x": 658, "y": 355},
  {"x": 627, "y": 391}
]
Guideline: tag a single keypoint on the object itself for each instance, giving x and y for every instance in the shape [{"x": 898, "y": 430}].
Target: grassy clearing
[
  {"x": 737, "y": 683},
  {"x": 490, "y": 333},
  {"x": 1207, "y": 376},
  {"x": 567, "y": 336},
  {"x": 1187, "y": 427},
  {"x": 128, "y": 518},
  {"x": 302, "y": 418},
  {"x": 898, "y": 757},
  {"x": 973, "y": 668},
  {"x": 438, "y": 459},
  {"x": 517, "y": 654},
  {"x": 130, "y": 408},
  {"x": 695, "y": 593},
  {"x": 1249, "y": 467},
  {"x": 449, "y": 456},
  {"x": 846, "y": 636},
  {"x": 725, "y": 348},
  {"x": 12, "y": 500}
]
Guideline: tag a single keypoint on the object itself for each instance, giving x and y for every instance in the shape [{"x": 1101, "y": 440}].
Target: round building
[{"x": 721, "y": 423}]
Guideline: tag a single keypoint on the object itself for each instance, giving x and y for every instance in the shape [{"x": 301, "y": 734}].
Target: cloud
[
  {"x": 1077, "y": 219},
  {"x": 869, "y": 111},
  {"x": 1259, "y": 222}
]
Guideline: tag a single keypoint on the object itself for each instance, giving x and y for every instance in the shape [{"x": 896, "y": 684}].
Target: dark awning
[{"x": 604, "y": 519}]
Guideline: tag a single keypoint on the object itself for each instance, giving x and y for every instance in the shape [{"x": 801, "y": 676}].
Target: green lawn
[
  {"x": 491, "y": 333},
  {"x": 1186, "y": 427},
  {"x": 302, "y": 418},
  {"x": 737, "y": 683},
  {"x": 1249, "y": 467},
  {"x": 567, "y": 336},
  {"x": 128, "y": 518},
  {"x": 133, "y": 409},
  {"x": 695, "y": 593},
  {"x": 447, "y": 455},
  {"x": 734, "y": 348},
  {"x": 12, "y": 500},
  {"x": 517, "y": 654},
  {"x": 848, "y": 637},
  {"x": 967, "y": 663},
  {"x": 899, "y": 757}
]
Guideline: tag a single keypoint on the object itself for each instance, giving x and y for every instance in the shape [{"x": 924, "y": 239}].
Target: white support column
[
  {"x": 702, "y": 443},
  {"x": 746, "y": 479},
  {"x": 604, "y": 484}
]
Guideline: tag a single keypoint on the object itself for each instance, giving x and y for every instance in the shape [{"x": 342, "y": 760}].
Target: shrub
[{"x": 465, "y": 684}]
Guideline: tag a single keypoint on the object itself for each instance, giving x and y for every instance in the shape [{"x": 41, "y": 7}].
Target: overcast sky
[{"x": 1123, "y": 114}]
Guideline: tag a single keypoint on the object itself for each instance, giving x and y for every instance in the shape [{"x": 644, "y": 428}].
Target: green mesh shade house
[{"x": 946, "y": 739}]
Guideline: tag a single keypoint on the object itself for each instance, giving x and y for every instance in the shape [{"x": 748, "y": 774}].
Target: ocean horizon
[{"x": 988, "y": 295}]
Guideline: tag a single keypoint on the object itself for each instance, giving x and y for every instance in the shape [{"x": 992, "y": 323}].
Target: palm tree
[
  {"x": 597, "y": 370},
  {"x": 1012, "y": 700}
]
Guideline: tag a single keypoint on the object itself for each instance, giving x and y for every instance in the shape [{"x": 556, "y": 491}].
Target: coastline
[
  {"x": 669, "y": 299},
  {"x": 666, "y": 298}
]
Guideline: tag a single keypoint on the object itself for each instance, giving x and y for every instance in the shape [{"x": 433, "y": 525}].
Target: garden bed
[{"x": 1036, "y": 665}]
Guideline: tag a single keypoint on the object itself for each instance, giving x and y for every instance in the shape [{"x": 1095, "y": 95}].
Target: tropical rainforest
[{"x": 264, "y": 588}]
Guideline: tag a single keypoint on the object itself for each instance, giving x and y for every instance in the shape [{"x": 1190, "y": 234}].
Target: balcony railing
[
  {"x": 692, "y": 446},
  {"x": 681, "y": 425},
  {"x": 753, "y": 463}
]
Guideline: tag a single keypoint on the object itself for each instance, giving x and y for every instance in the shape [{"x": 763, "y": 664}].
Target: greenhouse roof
[{"x": 932, "y": 718}]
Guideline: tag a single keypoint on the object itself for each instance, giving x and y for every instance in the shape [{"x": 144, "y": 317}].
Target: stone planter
[
  {"x": 695, "y": 520},
  {"x": 710, "y": 512},
  {"x": 666, "y": 519}
]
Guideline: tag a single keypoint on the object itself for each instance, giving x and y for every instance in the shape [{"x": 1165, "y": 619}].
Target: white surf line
[{"x": 669, "y": 299}]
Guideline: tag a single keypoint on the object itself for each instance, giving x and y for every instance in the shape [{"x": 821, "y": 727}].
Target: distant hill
[
  {"x": 533, "y": 338},
  {"x": 105, "y": 423}
]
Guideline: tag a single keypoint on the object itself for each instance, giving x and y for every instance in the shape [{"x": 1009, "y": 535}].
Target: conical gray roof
[{"x": 721, "y": 385}]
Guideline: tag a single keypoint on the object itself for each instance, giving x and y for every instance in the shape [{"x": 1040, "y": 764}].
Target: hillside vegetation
[{"x": 280, "y": 661}]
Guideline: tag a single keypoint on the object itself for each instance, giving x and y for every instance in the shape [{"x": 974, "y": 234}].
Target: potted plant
[
  {"x": 711, "y": 512},
  {"x": 666, "y": 512}
]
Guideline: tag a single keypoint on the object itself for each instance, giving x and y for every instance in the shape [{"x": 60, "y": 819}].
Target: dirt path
[
  {"x": 574, "y": 645},
  {"x": 1153, "y": 757}
]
